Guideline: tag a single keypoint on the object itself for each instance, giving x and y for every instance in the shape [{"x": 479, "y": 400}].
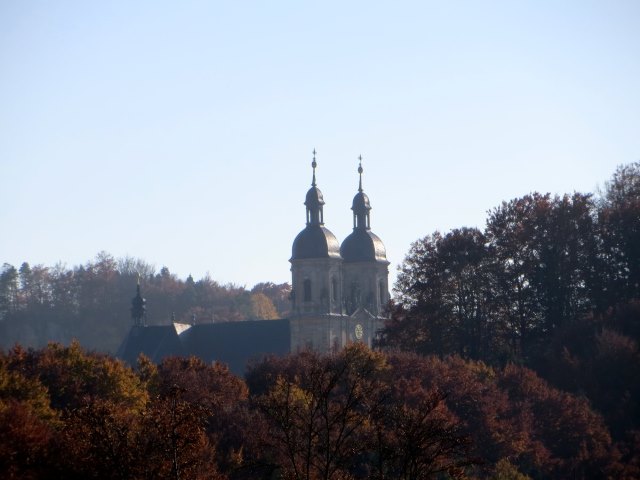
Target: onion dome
[
  {"x": 362, "y": 245},
  {"x": 314, "y": 198},
  {"x": 361, "y": 203},
  {"x": 315, "y": 241}
]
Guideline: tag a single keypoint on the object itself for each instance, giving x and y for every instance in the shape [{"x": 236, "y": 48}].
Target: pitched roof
[
  {"x": 236, "y": 343},
  {"x": 155, "y": 341},
  {"x": 233, "y": 343}
]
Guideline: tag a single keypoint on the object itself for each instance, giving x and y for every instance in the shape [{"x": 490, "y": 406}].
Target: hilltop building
[
  {"x": 338, "y": 296},
  {"x": 338, "y": 291}
]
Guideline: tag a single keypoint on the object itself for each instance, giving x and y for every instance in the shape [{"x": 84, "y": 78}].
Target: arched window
[
  {"x": 307, "y": 290},
  {"x": 383, "y": 294}
]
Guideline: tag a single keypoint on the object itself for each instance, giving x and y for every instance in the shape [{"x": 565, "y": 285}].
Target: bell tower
[
  {"x": 316, "y": 276},
  {"x": 365, "y": 265}
]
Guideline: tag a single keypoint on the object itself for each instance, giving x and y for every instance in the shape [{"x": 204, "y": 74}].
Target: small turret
[{"x": 138, "y": 308}]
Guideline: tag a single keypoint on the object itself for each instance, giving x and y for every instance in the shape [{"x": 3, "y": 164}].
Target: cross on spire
[
  {"x": 360, "y": 173},
  {"x": 314, "y": 165}
]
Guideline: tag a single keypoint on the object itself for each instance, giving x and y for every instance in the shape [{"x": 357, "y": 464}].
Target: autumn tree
[
  {"x": 445, "y": 291},
  {"x": 262, "y": 307},
  {"x": 317, "y": 419},
  {"x": 174, "y": 442},
  {"x": 351, "y": 415},
  {"x": 225, "y": 399},
  {"x": 416, "y": 437},
  {"x": 566, "y": 438},
  {"x": 542, "y": 248},
  {"x": 27, "y": 424},
  {"x": 279, "y": 294}
]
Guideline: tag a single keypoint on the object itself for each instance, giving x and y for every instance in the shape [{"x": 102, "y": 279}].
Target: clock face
[{"x": 359, "y": 331}]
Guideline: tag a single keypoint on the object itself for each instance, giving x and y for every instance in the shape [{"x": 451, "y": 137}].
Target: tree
[
  {"x": 74, "y": 378},
  {"x": 8, "y": 290},
  {"x": 27, "y": 424},
  {"x": 619, "y": 219},
  {"x": 279, "y": 294},
  {"x": 25, "y": 440},
  {"x": 101, "y": 440},
  {"x": 506, "y": 471},
  {"x": 567, "y": 439},
  {"x": 541, "y": 247},
  {"x": 418, "y": 438},
  {"x": 317, "y": 420},
  {"x": 445, "y": 288},
  {"x": 230, "y": 425},
  {"x": 174, "y": 443},
  {"x": 353, "y": 415},
  {"x": 262, "y": 307}
]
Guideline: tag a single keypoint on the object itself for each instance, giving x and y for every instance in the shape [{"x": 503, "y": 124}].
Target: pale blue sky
[{"x": 181, "y": 132}]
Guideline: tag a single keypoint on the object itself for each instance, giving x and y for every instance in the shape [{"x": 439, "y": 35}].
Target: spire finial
[
  {"x": 314, "y": 165},
  {"x": 360, "y": 173}
]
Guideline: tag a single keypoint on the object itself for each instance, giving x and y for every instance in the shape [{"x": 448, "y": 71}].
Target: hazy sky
[{"x": 181, "y": 132}]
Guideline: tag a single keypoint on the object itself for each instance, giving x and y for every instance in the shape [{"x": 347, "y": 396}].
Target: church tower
[
  {"x": 338, "y": 293},
  {"x": 316, "y": 270},
  {"x": 365, "y": 266}
]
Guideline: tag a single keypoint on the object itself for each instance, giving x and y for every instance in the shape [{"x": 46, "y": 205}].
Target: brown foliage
[
  {"x": 355, "y": 414},
  {"x": 342, "y": 416},
  {"x": 25, "y": 441}
]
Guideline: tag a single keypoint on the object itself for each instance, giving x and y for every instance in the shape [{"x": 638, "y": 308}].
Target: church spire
[
  {"x": 314, "y": 200},
  {"x": 360, "y": 205},
  {"x": 138, "y": 308}
]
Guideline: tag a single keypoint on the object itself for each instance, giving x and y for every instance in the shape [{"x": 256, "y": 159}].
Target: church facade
[{"x": 338, "y": 296}]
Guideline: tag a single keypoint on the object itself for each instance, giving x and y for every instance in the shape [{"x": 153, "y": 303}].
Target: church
[{"x": 338, "y": 297}]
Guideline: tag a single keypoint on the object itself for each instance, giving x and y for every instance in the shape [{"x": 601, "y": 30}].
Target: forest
[
  {"x": 91, "y": 302},
  {"x": 68, "y": 413},
  {"x": 510, "y": 353},
  {"x": 551, "y": 284}
]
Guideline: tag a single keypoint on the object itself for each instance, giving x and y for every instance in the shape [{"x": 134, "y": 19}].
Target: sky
[{"x": 181, "y": 133}]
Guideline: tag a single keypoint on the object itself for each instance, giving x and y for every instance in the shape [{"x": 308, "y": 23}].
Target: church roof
[
  {"x": 363, "y": 245},
  {"x": 361, "y": 203},
  {"x": 315, "y": 241},
  {"x": 154, "y": 341},
  {"x": 314, "y": 197},
  {"x": 232, "y": 343},
  {"x": 237, "y": 343}
]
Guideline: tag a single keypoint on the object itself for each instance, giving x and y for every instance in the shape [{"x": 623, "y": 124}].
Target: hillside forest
[
  {"x": 511, "y": 352},
  {"x": 92, "y": 302}
]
